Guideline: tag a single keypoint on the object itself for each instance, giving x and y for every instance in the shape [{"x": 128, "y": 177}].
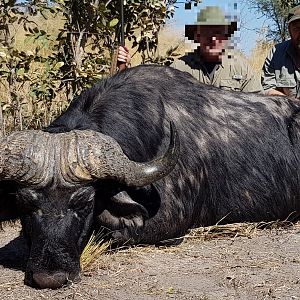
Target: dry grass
[
  {"x": 258, "y": 55},
  {"x": 95, "y": 247},
  {"x": 235, "y": 229}
]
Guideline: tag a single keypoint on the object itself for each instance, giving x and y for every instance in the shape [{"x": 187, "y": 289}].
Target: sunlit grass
[
  {"x": 258, "y": 55},
  {"x": 95, "y": 247}
]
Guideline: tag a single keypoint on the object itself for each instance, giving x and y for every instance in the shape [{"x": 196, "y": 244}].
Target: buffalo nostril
[{"x": 51, "y": 281}]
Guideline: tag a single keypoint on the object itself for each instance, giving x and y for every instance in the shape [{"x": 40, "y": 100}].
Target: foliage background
[
  {"x": 51, "y": 50},
  {"x": 277, "y": 12}
]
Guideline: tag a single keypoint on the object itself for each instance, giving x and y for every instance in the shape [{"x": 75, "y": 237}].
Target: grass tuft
[{"x": 95, "y": 247}]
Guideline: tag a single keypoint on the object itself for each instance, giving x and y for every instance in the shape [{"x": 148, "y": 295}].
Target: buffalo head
[{"x": 57, "y": 194}]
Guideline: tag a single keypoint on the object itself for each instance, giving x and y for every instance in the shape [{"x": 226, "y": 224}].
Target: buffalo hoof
[{"x": 50, "y": 281}]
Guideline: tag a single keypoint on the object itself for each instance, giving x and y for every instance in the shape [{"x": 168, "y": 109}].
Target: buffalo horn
[
  {"x": 101, "y": 157},
  {"x": 23, "y": 157},
  {"x": 37, "y": 158}
]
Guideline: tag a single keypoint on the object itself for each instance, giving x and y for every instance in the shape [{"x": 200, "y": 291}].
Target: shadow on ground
[{"x": 13, "y": 255}]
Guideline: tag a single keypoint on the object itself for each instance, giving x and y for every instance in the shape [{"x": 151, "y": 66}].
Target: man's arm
[{"x": 268, "y": 78}]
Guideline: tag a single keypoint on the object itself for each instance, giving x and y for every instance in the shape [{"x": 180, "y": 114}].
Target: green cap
[
  {"x": 211, "y": 15},
  {"x": 294, "y": 14}
]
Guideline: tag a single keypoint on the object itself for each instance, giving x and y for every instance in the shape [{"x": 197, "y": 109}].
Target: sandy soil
[{"x": 263, "y": 266}]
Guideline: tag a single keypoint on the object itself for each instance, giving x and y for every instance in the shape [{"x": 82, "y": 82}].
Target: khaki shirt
[
  {"x": 280, "y": 70},
  {"x": 234, "y": 73}
]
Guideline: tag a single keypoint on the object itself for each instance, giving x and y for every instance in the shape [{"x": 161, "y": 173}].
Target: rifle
[{"x": 114, "y": 64}]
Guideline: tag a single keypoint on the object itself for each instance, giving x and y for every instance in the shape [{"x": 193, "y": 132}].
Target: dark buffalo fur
[
  {"x": 239, "y": 152},
  {"x": 239, "y": 162}
]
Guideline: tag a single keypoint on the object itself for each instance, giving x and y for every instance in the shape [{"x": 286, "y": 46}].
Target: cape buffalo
[{"x": 106, "y": 162}]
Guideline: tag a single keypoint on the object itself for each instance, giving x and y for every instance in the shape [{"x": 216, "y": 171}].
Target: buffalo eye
[
  {"x": 27, "y": 200},
  {"x": 82, "y": 200}
]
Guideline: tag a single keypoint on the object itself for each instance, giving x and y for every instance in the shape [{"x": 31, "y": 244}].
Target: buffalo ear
[
  {"x": 8, "y": 208},
  {"x": 122, "y": 212}
]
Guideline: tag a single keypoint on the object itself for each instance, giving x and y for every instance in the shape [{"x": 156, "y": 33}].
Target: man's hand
[
  {"x": 124, "y": 55},
  {"x": 273, "y": 92}
]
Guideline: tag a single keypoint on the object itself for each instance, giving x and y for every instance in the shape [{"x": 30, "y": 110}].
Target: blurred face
[
  {"x": 213, "y": 41},
  {"x": 294, "y": 30}
]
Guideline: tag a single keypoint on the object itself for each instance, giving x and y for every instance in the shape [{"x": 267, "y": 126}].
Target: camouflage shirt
[
  {"x": 280, "y": 70},
  {"x": 234, "y": 73}
]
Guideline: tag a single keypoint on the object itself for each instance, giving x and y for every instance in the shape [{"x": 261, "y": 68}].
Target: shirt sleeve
[
  {"x": 180, "y": 65},
  {"x": 252, "y": 83},
  {"x": 268, "y": 78}
]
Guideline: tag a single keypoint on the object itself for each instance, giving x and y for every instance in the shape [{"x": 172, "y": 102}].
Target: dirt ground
[{"x": 263, "y": 266}]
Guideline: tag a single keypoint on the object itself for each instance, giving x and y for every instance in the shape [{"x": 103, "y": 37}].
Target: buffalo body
[{"x": 239, "y": 161}]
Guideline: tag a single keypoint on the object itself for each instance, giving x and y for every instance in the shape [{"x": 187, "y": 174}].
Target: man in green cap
[
  {"x": 213, "y": 62},
  {"x": 281, "y": 70}
]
